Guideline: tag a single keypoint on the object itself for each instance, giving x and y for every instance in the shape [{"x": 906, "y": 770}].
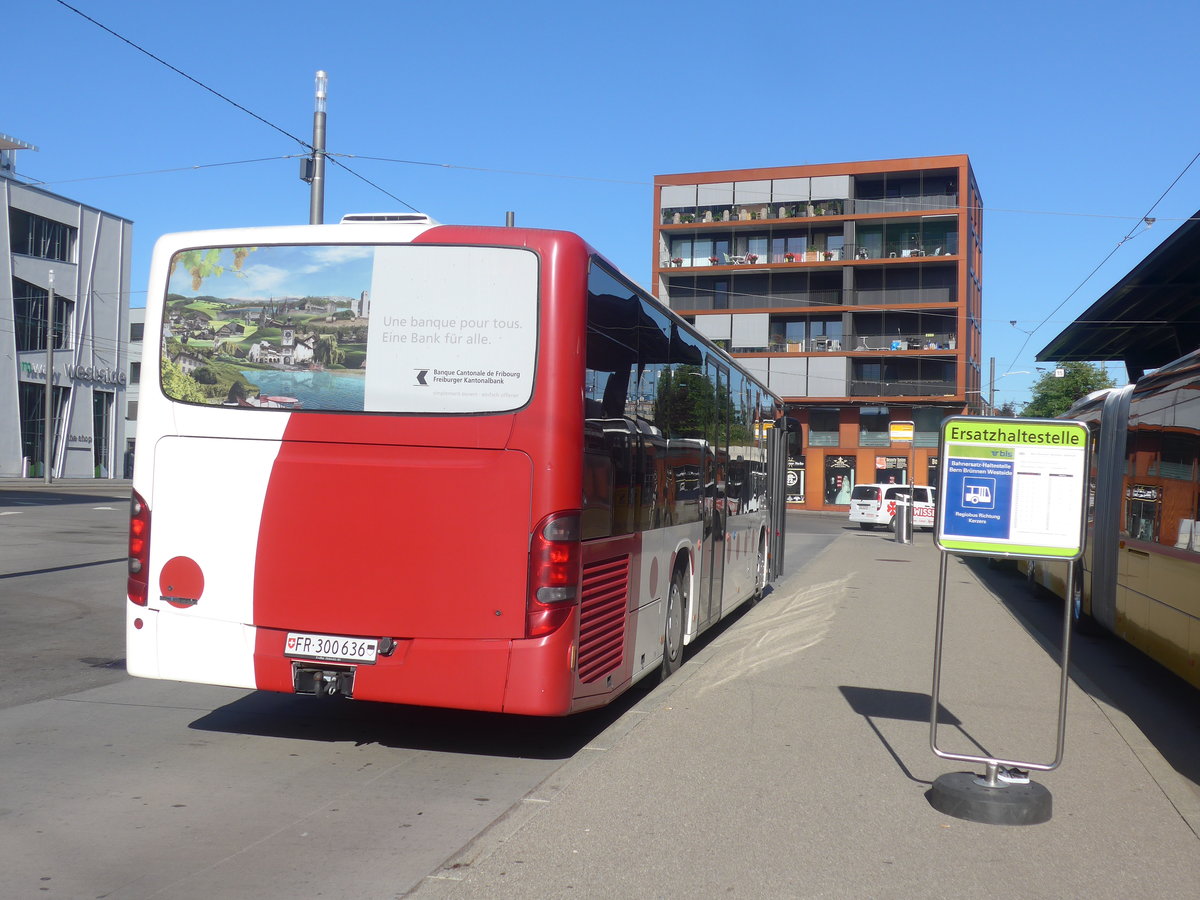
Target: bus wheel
[
  {"x": 760, "y": 576},
  {"x": 673, "y": 634}
]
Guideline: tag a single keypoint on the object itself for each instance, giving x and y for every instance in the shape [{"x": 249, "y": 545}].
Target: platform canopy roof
[{"x": 1145, "y": 320}]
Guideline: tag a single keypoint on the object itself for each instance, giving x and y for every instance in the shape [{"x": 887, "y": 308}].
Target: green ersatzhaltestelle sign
[{"x": 1013, "y": 487}]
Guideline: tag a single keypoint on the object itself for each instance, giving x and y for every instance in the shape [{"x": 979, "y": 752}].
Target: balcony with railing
[
  {"x": 902, "y": 343},
  {"x": 759, "y": 211},
  {"x": 898, "y": 377},
  {"x": 737, "y": 295},
  {"x": 789, "y": 247},
  {"x": 902, "y": 389}
]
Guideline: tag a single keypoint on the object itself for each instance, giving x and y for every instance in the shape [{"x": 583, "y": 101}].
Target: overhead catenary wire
[
  {"x": 192, "y": 168},
  {"x": 308, "y": 146},
  {"x": 303, "y": 143},
  {"x": 178, "y": 71},
  {"x": 1146, "y": 217},
  {"x": 1129, "y": 235}
]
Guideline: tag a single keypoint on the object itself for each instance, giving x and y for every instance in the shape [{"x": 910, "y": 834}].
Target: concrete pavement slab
[{"x": 790, "y": 758}]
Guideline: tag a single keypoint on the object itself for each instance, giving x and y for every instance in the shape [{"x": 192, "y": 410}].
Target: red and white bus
[{"x": 541, "y": 487}]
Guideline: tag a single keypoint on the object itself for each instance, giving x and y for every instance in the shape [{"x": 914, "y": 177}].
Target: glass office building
[{"x": 64, "y": 289}]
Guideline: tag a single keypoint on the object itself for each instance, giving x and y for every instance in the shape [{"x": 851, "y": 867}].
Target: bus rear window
[
  {"x": 865, "y": 492},
  {"x": 445, "y": 330}
]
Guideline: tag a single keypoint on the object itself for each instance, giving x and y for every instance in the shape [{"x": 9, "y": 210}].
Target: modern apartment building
[
  {"x": 853, "y": 289},
  {"x": 55, "y": 248}
]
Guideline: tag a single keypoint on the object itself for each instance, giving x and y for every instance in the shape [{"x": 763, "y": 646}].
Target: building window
[
  {"x": 103, "y": 403},
  {"x": 823, "y": 428},
  {"x": 31, "y": 402},
  {"x": 873, "y": 428},
  {"x": 136, "y": 330},
  {"x": 135, "y": 372},
  {"x": 33, "y": 235},
  {"x": 825, "y": 333},
  {"x": 29, "y": 315},
  {"x": 927, "y": 426}
]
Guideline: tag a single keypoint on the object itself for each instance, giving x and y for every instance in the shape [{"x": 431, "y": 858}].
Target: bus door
[{"x": 715, "y": 465}]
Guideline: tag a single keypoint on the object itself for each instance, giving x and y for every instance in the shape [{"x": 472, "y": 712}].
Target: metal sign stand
[
  {"x": 1004, "y": 794},
  {"x": 1008, "y": 488}
]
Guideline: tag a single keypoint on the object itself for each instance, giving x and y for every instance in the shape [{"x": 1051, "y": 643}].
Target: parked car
[{"x": 876, "y": 504}]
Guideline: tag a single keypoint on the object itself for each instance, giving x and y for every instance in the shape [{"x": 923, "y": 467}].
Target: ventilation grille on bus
[
  {"x": 387, "y": 219},
  {"x": 602, "y": 617}
]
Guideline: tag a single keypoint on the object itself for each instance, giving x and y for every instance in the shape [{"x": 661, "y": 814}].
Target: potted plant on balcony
[
  {"x": 712, "y": 260},
  {"x": 790, "y": 257},
  {"x": 677, "y": 261},
  {"x": 751, "y": 258}
]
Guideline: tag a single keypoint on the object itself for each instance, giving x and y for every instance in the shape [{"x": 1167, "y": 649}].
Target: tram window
[
  {"x": 1177, "y": 467},
  {"x": 1189, "y": 534},
  {"x": 1142, "y": 523}
]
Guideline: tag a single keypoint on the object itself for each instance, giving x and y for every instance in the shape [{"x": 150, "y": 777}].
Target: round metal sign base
[{"x": 962, "y": 795}]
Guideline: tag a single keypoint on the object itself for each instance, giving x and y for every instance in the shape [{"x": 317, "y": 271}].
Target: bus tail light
[
  {"x": 555, "y": 573},
  {"x": 139, "y": 549}
]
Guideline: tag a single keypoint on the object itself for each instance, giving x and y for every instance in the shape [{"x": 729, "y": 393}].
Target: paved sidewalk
[
  {"x": 790, "y": 758},
  {"x": 90, "y": 487}
]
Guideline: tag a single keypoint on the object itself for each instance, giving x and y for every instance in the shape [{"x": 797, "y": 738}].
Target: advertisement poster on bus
[
  {"x": 1012, "y": 487},
  {"x": 390, "y": 328}
]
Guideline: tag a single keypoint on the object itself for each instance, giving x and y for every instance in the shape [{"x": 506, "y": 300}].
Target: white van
[{"x": 875, "y": 504}]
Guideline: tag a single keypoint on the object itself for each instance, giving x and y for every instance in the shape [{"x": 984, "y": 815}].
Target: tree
[
  {"x": 327, "y": 352},
  {"x": 237, "y": 393},
  {"x": 1053, "y": 396},
  {"x": 178, "y": 386}
]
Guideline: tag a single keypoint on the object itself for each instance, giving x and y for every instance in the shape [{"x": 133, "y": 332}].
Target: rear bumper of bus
[{"x": 524, "y": 677}]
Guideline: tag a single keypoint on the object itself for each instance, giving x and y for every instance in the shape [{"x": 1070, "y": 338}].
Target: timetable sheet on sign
[{"x": 1047, "y": 491}]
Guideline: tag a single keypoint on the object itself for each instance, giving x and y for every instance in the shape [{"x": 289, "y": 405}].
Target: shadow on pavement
[
  {"x": 51, "y": 497},
  {"x": 906, "y": 706},
  {"x": 362, "y": 722},
  {"x": 269, "y": 714},
  {"x": 1164, "y": 707}
]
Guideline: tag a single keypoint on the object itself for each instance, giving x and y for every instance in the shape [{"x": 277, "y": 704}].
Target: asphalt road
[
  {"x": 125, "y": 788},
  {"x": 62, "y": 574}
]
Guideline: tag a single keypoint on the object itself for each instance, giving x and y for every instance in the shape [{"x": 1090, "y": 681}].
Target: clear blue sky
[{"x": 1076, "y": 116}]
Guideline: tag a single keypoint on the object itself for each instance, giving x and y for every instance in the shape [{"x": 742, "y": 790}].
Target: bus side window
[{"x": 613, "y": 441}]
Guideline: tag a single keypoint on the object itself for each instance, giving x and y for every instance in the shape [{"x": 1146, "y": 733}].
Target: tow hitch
[{"x": 323, "y": 682}]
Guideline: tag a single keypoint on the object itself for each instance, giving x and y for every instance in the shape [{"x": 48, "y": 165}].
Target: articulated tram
[{"x": 1141, "y": 567}]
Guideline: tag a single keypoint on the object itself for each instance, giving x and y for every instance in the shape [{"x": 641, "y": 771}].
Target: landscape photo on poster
[{"x": 292, "y": 327}]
